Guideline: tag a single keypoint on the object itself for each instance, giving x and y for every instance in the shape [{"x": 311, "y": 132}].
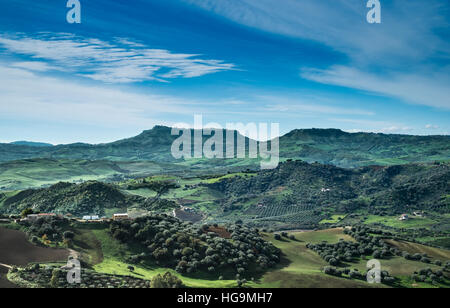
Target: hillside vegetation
[
  {"x": 301, "y": 194},
  {"x": 43, "y": 172},
  {"x": 88, "y": 198},
  {"x": 294, "y": 195}
]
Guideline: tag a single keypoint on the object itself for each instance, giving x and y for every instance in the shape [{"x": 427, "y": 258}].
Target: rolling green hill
[
  {"x": 88, "y": 198},
  {"x": 43, "y": 172},
  {"x": 299, "y": 194},
  {"x": 294, "y": 195}
]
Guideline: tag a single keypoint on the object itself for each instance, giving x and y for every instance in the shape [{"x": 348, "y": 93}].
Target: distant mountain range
[
  {"x": 32, "y": 144},
  {"x": 327, "y": 146}
]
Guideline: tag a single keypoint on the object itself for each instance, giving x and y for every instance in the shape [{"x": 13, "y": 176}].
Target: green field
[
  {"x": 32, "y": 173},
  {"x": 301, "y": 267},
  {"x": 334, "y": 219},
  {"x": 393, "y": 221}
]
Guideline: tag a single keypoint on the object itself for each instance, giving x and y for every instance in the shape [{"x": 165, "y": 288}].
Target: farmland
[{"x": 298, "y": 267}]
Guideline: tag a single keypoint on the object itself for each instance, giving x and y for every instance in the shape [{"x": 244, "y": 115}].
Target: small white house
[{"x": 89, "y": 218}]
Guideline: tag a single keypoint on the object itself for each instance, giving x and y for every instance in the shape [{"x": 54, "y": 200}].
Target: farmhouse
[
  {"x": 121, "y": 216},
  {"x": 91, "y": 218}
]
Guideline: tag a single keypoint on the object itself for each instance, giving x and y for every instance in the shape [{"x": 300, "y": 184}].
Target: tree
[
  {"x": 26, "y": 212},
  {"x": 55, "y": 277},
  {"x": 165, "y": 281},
  {"x": 68, "y": 235}
]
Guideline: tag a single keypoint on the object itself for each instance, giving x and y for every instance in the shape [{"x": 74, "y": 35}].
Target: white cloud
[
  {"x": 35, "y": 66},
  {"x": 26, "y": 95},
  {"x": 375, "y": 126},
  {"x": 342, "y": 25},
  {"x": 282, "y": 105},
  {"x": 120, "y": 62},
  {"x": 431, "y": 90},
  {"x": 431, "y": 126},
  {"x": 404, "y": 52}
]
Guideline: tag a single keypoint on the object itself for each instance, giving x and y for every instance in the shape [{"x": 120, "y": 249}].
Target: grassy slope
[
  {"x": 393, "y": 221},
  {"x": 302, "y": 267},
  {"x": 38, "y": 172},
  {"x": 108, "y": 256},
  {"x": 333, "y": 219}
]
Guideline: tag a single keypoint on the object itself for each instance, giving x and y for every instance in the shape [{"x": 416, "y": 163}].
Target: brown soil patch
[
  {"x": 187, "y": 216},
  {"x": 15, "y": 249},
  {"x": 220, "y": 231}
]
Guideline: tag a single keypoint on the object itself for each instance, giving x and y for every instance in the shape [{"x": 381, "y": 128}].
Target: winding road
[{"x": 6, "y": 265}]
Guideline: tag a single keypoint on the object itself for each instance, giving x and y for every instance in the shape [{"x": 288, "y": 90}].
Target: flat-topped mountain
[{"x": 328, "y": 146}]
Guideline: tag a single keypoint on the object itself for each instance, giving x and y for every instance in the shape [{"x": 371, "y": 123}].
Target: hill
[
  {"x": 329, "y": 146},
  {"x": 43, "y": 172},
  {"x": 83, "y": 199},
  {"x": 301, "y": 195},
  {"x": 294, "y": 195}
]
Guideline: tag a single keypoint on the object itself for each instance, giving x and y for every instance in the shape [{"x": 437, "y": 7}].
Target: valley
[{"x": 181, "y": 214}]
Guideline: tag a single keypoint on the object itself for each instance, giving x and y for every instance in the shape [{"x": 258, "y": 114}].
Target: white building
[
  {"x": 88, "y": 218},
  {"x": 120, "y": 216}
]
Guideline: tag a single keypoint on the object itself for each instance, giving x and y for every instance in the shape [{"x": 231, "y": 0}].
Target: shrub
[
  {"x": 68, "y": 235},
  {"x": 166, "y": 281}
]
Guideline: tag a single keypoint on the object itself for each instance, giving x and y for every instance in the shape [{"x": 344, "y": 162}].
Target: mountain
[
  {"x": 349, "y": 150},
  {"x": 328, "y": 146},
  {"x": 32, "y": 144}
]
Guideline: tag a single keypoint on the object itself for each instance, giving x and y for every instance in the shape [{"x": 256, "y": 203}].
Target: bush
[
  {"x": 68, "y": 235},
  {"x": 166, "y": 281},
  {"x": 425, "y": 260}
]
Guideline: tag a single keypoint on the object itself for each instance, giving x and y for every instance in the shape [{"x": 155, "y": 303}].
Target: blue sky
[{"x": 302, "y": 63}]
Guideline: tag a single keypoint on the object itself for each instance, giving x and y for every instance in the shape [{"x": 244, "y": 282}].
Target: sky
[{"x": 131, "y": 65}]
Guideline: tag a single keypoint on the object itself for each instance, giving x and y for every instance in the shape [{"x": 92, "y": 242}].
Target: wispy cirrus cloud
[
  {"x": 120, "y": 61},
  {"x": 342, "y": 25},
  {"x": 52, "y": 99},
  {"x": 430, "y": 89},
  {"x": 407, "y": 56}
]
